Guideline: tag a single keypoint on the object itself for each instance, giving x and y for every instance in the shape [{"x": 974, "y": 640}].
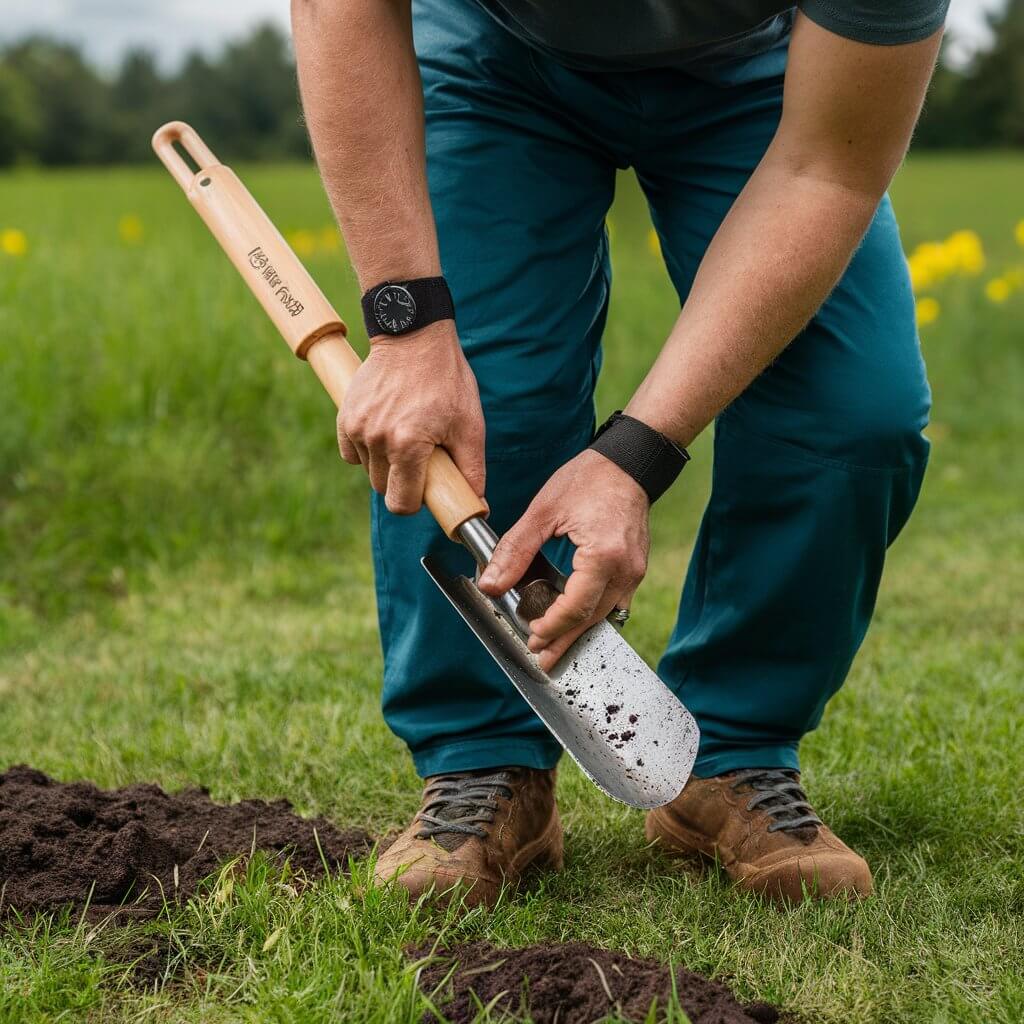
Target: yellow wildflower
[
  {"x": 929, "y": 263},
  {"x": 998, "y": 289},
  {"x": 13, "y": 242},
  {"x": 921, "y": 276},
  {"x": 303, "y": 242},
  {"x": 927, "y": 311},
  {"x": 654, "y": 242},
  {"x": 129, "y": 227},
  {"x": 932, "y": 262},
  {"x": 966, "y": 252},
  {"x": 1019, "y": 232},
  {"x": 329, "y": 238},
  {"x": 937, "y": 256}
]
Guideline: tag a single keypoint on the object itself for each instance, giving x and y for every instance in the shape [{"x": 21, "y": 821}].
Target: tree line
[{"x": 57, "y": 110}]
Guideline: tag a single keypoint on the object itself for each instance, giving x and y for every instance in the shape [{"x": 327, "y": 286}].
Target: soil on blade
[
  {"x": 126, "y": 850},
  {"x": 573, "y": 984}
]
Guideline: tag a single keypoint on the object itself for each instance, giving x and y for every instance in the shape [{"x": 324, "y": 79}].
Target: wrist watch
[
  {"x": 651, "y": 458},
  {"x": 397, "y": 307}
]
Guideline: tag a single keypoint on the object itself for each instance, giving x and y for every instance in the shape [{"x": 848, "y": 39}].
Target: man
[{"x": 479, "y": 140}]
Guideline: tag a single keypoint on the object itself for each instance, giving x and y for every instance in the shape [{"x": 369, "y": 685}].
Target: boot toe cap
[
  {"x": 426, "y": 874},
  {"x": 821, "y": 875}
]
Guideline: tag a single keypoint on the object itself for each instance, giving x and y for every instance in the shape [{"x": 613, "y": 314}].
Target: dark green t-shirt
[{"x": 625, "y": 34}]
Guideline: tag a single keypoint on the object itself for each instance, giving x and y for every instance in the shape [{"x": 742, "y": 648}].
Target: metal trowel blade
[{"x": 620, "y": 723}]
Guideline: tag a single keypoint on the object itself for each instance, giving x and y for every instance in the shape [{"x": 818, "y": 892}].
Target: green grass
[{"x": 186, "y": 596}]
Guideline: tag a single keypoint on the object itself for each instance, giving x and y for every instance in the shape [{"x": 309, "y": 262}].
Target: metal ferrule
[{"x": 480, "y": 540}]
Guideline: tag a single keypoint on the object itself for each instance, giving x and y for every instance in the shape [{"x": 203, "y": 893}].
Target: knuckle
[
  {"x": 354, "y": 429},
  {"x": 535, "y": 518},
  {"x": 615, "y": 551},
  {"x": 509, "y": 546},
  {"x": 519, "y": 548},
  {"x": 637, "y": 567},
  {"x": 403, "y": 438},
  {"x": 411, "y": 457}
]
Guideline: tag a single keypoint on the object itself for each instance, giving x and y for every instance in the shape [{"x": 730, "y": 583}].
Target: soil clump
[
  {"x": 574, "y": 984},
  {"x": 126, "y": 850}
]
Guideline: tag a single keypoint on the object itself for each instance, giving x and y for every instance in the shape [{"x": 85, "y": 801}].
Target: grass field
[{"x": 185, "y": 597}]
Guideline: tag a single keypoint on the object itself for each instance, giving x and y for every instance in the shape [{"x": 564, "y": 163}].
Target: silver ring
[{"x": 620, "y": 616}]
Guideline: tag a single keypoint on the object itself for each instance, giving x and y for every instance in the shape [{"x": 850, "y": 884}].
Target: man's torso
[{"x": 609, "y": 35}]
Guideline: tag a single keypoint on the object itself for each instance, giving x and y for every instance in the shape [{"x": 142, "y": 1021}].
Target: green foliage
[
  {"x": 20, "y": 119},
  {"x": 983, "y": 105},
  {"x": 71, "y": 100},
  {"x": 186, "y": 597},
  {"x": 56, "y": 110}
]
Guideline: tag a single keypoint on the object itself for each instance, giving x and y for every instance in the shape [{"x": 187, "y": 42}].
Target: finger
[
  {"x": 577, "y": 605},
  {"x": 406, "y": 480},
  {"x": 516, "y": 550},
  {"x": 468, "y": 454},
  {"x": 549, "y": 655},
  {"x": 625, "y": 599},
  {"x": 378, "y": 469},
  {"x": 345, "y": 446},
  {"x": 348, "y": 450}
]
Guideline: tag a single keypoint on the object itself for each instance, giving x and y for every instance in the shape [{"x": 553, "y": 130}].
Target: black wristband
[
  {"x": 648, "y": 456},
  {"x": 397, "y": 307}
]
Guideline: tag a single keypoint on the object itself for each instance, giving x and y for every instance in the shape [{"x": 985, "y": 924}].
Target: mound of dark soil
[
  {"x": 574, "y": 984},
  {"x": 73, "y": 844}
]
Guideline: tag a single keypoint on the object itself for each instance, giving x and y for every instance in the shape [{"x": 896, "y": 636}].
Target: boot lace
[
  {"x": 461, "y": 803},
  {"x": 779, "y": 794}
]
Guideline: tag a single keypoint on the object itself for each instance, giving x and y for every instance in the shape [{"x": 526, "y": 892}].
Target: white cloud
[
  {"x": 106, "y": 28},
  {"x": 968, "y": 28}
]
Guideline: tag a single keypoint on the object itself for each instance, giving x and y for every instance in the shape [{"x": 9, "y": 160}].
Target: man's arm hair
[
  {"x": 363, "y": 100},
  {"x": 849, "y": 111},
  {"x": 363, "y": 104}
]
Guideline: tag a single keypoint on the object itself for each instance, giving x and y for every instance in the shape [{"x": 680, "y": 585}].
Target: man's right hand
[
  {"x": 365, "y": 117},
  {"x": 412, "y": 394}
]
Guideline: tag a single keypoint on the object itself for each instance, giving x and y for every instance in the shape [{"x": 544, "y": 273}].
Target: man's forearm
[
  {"x": 774, "y": 260},
  {"x": 848, "y": 113},
  {"x": 363, "y": 104}
]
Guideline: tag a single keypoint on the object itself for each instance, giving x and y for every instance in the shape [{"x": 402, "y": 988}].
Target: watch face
[{"x": 394, "y": 309}]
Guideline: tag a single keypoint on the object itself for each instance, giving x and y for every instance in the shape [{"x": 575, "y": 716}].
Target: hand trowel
[{"x": 620, "y": 723}]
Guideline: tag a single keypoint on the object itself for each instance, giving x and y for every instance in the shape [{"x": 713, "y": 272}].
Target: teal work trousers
[{"x": 816, "y": 466}]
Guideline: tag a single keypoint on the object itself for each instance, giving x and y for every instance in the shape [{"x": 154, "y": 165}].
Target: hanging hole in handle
[
  {"x": 204, "y": 182},
  {"x": 186, "y": 156}
]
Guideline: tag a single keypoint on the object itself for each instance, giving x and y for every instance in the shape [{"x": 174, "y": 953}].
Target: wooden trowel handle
[{"x": 280, "y": 282}]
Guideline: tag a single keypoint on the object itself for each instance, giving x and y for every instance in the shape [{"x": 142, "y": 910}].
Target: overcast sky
[{"x": 170, "y": 27}]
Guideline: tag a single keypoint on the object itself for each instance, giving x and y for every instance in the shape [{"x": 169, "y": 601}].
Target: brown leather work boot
[
  {"x": 758, "y": 825},
  {"x": 477, "y": 830}
]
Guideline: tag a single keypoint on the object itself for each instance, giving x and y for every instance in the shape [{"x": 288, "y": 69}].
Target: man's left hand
[{"x": 604, "y": 512}]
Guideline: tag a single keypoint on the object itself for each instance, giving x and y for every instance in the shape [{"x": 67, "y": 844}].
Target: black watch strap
[
  {"x": 648, "y": 456},
  {"x": 396, "y": 307}
]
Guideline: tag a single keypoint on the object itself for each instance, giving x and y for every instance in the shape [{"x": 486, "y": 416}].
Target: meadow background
[
  {"x": 186, "y": 597},
  {"x": 185, "y": 591}
]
